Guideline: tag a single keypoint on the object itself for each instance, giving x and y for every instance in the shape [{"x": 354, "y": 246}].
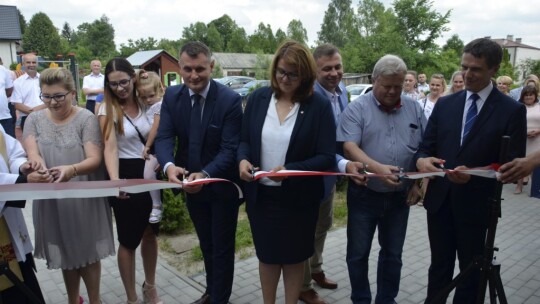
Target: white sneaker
[{"x": 155, "y": 216}]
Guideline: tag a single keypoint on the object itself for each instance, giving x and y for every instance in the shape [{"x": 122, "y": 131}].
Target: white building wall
[{"x": 8, "y": 53}]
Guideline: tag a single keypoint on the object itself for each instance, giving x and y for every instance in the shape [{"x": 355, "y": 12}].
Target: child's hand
[{"x": 146, "y": 154}]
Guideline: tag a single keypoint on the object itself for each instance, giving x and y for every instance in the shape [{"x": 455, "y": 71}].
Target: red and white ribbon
[{"x": 32, "y": 191}]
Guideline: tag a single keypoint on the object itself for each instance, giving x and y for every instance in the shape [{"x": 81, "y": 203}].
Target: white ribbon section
[{"x": 34, "y": 191}]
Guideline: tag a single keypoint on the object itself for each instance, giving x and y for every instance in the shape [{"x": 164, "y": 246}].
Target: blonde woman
[
  {"x": 437, "y": 86},
  {"x": 503, "y": 84},
  {"x": 457, "y": 82},
  {"x": 71, "y": 234}
]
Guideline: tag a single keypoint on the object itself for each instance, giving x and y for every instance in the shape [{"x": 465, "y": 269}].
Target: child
[{"x": 150, "y": 92}]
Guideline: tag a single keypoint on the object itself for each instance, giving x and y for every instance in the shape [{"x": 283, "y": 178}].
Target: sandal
[
  {"x": 155, "y": 215},
  {"x": 146, "y": 288}
]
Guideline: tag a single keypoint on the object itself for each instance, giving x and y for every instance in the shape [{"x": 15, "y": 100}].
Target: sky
[{"x": 134, "y": 19}]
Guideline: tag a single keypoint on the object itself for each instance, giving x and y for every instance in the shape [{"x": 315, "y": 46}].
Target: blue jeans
[{"x": 389, "y": 213}]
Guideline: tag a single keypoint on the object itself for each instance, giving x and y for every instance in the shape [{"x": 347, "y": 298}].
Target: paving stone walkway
[{"x": 518, "y": 237}]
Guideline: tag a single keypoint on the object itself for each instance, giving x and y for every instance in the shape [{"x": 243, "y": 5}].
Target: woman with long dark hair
[{"x": 125, "y": 127}]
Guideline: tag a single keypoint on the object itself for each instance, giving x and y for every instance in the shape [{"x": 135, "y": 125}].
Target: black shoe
[{"x": 205, "y": 299}]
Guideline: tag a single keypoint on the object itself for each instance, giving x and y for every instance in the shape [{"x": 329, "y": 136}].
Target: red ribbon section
[{"x": 33, "y": 191}]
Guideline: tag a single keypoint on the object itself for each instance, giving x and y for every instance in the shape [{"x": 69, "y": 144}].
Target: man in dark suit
[
  {"x": 329, "y": 84},
  {"x": 465, "y": 130},
  {"x": 205, "y": 118}
]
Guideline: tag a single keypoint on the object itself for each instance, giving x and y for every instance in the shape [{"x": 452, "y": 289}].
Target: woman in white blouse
[{"x": 286, "y": 126}]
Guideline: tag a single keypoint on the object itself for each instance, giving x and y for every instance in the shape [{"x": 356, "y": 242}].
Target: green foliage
[
  {"x": 263, "y": 40},
  {"x": 98, "y": 38},
  {"x": 227, "y": 30},
  {"x": 195, "y": 32},
  {"x": 141, "y": 44},
  {"x": 338, "y": 24},
  {"x": 22, "y": 22},
  {"x": 171, "y": 46},
  {"x": 218, "y": 71},
  {"x": 280, "y": 37},
  {"x": 214, "y": 39},
  {"x": 529, "y": 66},
  {"x": 175, "y": 214},
  {"x": 196, "y": 254},
  {"x": 238, "y": 42},
  {"x": 402, "y": 31},
  {"x": 67, "y": 32},
  {"x": 506, "y": 67},
  {"x": 42, "y": 37},
  {"x": 243, "y": 233},
  {"x": 296, "y": 32},
  {"x": 454, "y": 43},
  {"x": 262, "y": 66},
  {"x": 419, "y": 23}
]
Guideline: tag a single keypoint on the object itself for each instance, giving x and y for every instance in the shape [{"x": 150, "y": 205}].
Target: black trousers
[{"x": 451, "y": 235}]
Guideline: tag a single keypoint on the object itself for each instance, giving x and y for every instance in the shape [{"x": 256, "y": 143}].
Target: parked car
[
  {"x": 235, "y": 82},
  {"x": 250, "y": 86},
  {"x": 356, "y": 90}
]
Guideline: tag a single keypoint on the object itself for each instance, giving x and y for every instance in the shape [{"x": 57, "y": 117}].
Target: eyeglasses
[
  {"x": 280, "y": 73},
  {"x": 56, "y": 97},
  {"x": 123, "y": 83}
]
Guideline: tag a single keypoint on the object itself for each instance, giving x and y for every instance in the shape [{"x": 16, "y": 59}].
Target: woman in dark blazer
[{"x": 286, "y": 126}]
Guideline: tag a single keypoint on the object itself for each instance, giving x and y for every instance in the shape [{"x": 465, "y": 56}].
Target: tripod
[
  {"x": 490, "y": 268},
  {"x": 4, "y": 270}
]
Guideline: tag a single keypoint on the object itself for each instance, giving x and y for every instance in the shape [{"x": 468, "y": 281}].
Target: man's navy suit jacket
[
  {"x": 221, "y": 122},
  {"x": 499, "y": 116}
]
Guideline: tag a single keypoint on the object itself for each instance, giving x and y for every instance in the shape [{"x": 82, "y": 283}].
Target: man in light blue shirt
[{"x": 382, "y": 129}]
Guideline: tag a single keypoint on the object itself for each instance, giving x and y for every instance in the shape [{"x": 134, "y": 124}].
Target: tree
[
  {"x": 214, "y": 40},
  {"x": 374, "y": 37},
  {"x": 22, "y": 22},
  {"x": 42, "y": 37},
  {"x": 226, "y": 28},
  {"x": 296, "y": 31},
  {"x": 280, "y": 37},
  {"x": 140, "y": 44},
  {"x": 506, "y": 67},
  {"x": 529, "y": 66},
  {"x": 171, "y": 46},
  {"x": 262, "y": 66},
  {"x": 454, "y": 43},
  {"x": 338, "y": 23},
  {"x": 195, "y": 32},
  {"x": 238, "y": 42},
  {"x": 263, "y": 39},
  {"x": 419, "y": 24},
  {"x": 67, "y": 32},
  {"x": 373, "y": 18},
  {"x": 98, "y": 38}
]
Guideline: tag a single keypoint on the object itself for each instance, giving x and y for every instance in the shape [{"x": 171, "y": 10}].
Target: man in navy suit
[
  {"x": 205, "y": 118},
  {"x": 329, "y": 75},
  {"x": 465, "y": 130}
]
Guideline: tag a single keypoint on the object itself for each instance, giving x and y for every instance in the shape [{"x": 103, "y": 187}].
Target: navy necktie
[
  {"x": 195, "y": 126},
  {"x": 472, "y": 113}
]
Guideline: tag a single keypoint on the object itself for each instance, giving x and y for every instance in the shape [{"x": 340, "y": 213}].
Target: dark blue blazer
[
  {"x": 330, "y": 181},
  {"x": 499, "y": 116},
  {"x": 312, "y": 145},
  {"x": 221, "y": 121}
]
